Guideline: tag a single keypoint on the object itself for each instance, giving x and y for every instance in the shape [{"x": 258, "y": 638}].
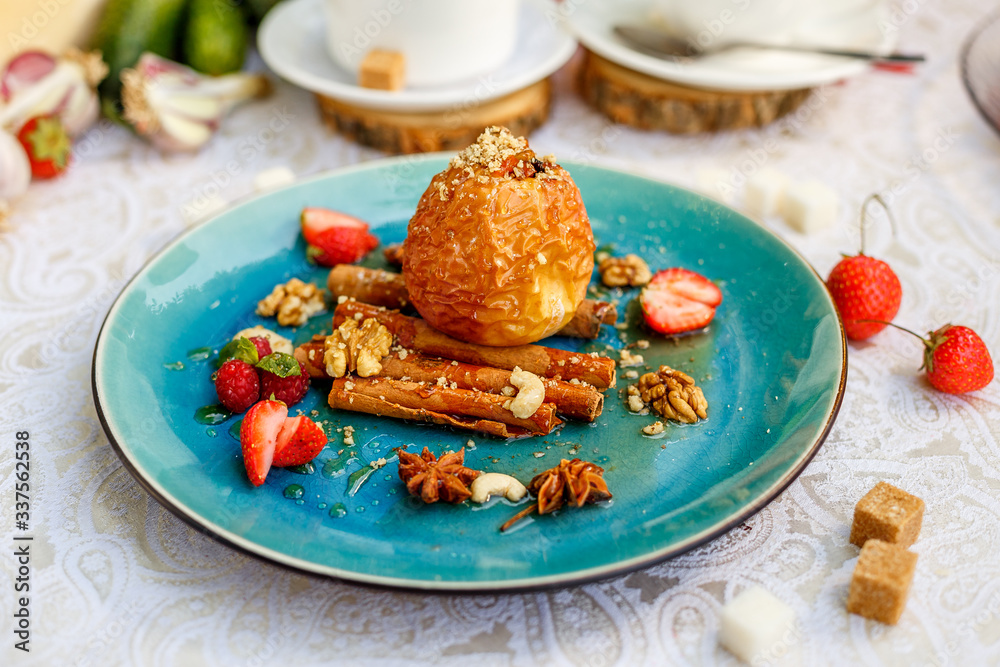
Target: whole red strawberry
[
  {"x": 48, "y": 146},
  {"x": 956, "y": 360},
  {"x": 865, "y": 288},
  {"x": 283, "y": 377},
  {"x": 237, "y": 385}
]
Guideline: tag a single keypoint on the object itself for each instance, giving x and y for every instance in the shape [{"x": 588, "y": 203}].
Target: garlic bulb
[
  {"x": 36, "y": 84},
  {"x": 178, "y": 109}
]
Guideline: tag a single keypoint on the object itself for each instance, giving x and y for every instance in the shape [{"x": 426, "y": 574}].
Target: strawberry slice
[
  {"x": 259, "y": 437},
  {"x": 677, "y": 300},
  {"x": 317, "y": 220},
  {"x": 299, "y": 442}
]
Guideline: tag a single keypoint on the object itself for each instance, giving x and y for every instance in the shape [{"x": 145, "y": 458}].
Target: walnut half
[
  {"x": 354, "y": 347},
  {"x": 627, "y": 271},
  {"x": 673, "y": 395}
]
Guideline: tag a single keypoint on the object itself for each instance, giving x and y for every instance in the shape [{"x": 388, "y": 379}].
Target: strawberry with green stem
[
  {"x": 865, "y": 290},
  {"x": 47, "y": 144},
  {"x": 955, "y": 357}
]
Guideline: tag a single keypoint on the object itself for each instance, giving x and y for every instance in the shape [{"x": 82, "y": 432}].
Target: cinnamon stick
[
  {"x": 463, "y": 408},
  {"x": 387, "y": 289},
  {"x": 415, "y": 334},
  {"x": 375, "y": 286},
  {"x": 577, "y": 401}
]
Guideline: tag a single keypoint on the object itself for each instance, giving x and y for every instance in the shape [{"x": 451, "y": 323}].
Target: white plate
[
  {"x": 292, "y": 41},
  {"x": 737, "y": 69}
]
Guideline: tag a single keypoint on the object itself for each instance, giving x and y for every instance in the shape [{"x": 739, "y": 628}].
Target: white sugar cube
[
  {"x": 753, "y": 622},
  {"x": 809, "y": 206},
  {"x": 764, "y": 192},
  {"x": 714, "y": 182},
  {"x": 273, "y": 178}
]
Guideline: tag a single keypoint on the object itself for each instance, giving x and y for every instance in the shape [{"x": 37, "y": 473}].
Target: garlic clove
[{"x": 15, "y": 169}]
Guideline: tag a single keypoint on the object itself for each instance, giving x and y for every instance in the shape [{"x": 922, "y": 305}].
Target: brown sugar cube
[
  {"x": 881, "y": 581},
  {"x": 383, "y": 70},
  {"x": 888, "y": 514}
]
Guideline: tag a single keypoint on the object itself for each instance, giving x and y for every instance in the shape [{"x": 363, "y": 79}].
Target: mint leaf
[
  {"x": 241, "y": 349},
  {"x": 281, "y": 364}
]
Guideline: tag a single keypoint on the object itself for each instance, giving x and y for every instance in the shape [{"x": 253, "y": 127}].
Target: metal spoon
[{"x": 661, "y": 45}]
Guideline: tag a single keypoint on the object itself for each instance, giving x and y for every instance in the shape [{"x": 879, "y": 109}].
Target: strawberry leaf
[
  {"x": 281, "y": 364},
  {"x": 242, "y": 348}
]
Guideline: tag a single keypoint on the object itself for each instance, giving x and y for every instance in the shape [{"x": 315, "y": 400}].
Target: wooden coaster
[
  {"x": 643, "y": 101},
  {"x": 450, "y": 129}
]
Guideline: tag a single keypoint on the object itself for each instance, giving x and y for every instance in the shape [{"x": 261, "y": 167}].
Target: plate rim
[
  {"x": 683, "y": 74},
  {"x": 524, "y": 584},
  {"x": 402, "y": 102}
]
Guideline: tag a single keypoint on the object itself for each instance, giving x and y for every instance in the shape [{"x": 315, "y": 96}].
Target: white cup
[
  {"x": 716, "y": 22},
  {"x": 443, "y": 41}
]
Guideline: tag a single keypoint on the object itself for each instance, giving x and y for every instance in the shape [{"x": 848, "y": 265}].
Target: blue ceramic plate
[{"x": 772, "y": 366}]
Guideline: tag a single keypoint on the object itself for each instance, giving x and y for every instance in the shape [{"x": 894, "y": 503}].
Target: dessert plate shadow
[{"x": 772, "y": 366}]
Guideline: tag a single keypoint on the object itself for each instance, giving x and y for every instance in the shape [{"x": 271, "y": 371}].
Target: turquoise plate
[{"x": 772, "y": 366}]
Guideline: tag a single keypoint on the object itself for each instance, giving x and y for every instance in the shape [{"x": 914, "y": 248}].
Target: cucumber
[
  {"x": 129, "y": 27},
  {"x": 215, "y": 39}
]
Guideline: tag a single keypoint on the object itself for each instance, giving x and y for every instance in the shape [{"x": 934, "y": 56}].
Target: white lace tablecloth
[{"x": 118, "y": 580}]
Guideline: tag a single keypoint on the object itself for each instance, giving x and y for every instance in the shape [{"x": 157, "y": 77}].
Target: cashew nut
[
  {"x": 530, "y": 396},
  {"x": 495, "y": 484}
]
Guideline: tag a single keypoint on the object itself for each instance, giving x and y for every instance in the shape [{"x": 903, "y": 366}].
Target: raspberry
[
  {"x": 289, "y": 390},
  {"x": 341, "y": 245},
  {"x": 263, "y": 346},
  {"x": 237, "y": 385}
]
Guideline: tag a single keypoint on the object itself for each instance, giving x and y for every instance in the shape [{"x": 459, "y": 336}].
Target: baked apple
[{"x": 499, "y": 250}]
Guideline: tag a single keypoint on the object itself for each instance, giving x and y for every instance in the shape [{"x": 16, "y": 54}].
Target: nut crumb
[
  {"x": 628, "y": 359},
  {"x": 293, "y": 303},
  {"x": 653, "y": 429}
]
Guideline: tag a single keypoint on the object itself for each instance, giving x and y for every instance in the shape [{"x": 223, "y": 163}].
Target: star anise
[
  {"x": 575, "y": 482},
  {"x": 436, "y": 479}
]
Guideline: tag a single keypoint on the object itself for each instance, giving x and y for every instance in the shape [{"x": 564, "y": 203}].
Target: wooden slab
[
  {"x": 450, "y": 129},
  {"x": 643, "y": 101}
]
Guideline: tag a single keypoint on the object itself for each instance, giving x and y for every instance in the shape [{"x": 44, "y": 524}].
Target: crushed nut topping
[
  {"x": 673, "y": 395},
  {"x": 493, "y": 146},
  {"x": 628, "y": 271},
  {"x": 356, "y": 348},
  {"x": 293, "y": 303}
]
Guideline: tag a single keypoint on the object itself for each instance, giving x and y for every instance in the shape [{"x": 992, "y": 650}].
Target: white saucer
[
  {"x": 737, "y": 69},
  {"x": 292, "y": 41}
]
